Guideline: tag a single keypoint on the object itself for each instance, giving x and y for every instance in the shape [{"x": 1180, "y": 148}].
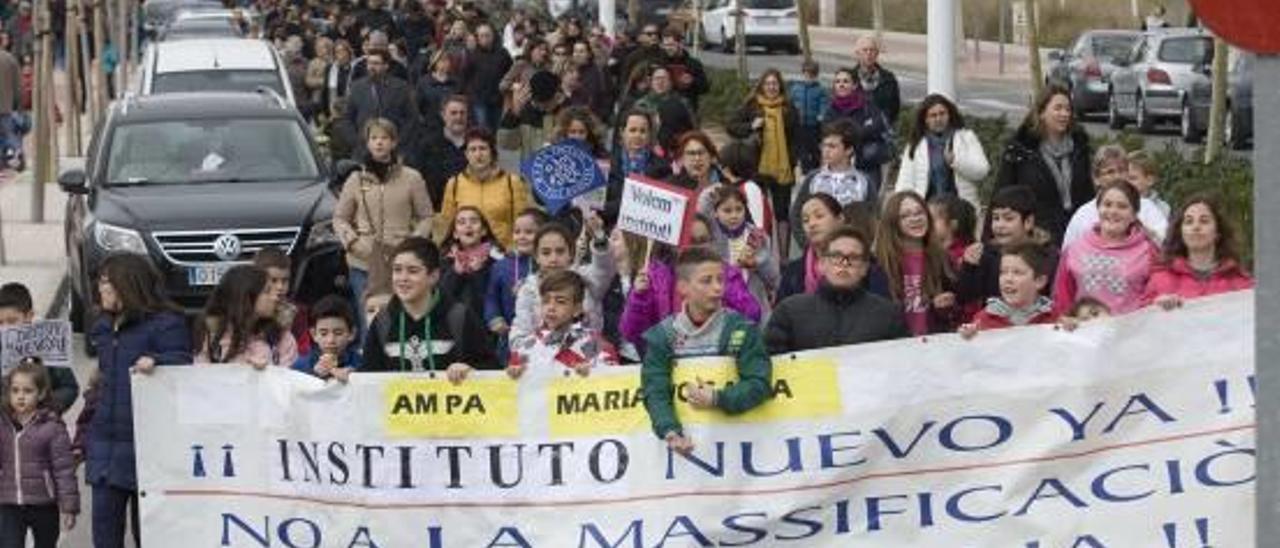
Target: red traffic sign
[{"x": 1246, "y": 24}]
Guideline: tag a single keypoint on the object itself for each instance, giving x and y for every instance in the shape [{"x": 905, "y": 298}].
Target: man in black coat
[
  {"x": 444, "y": 152},
  {"x": 486, "y": 65},
  {"x": 380, "y": 95},
  {"x": 877, "y": 81},
  {"x": 377, "y": 40},
  {"x": 687, "y": 73},
  {"x": 846, "y": 312}
]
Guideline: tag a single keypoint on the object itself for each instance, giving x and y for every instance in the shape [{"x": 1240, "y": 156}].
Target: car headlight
[
  {"x": 113, "y": 238},
  {"x": 322, "y": 234}
]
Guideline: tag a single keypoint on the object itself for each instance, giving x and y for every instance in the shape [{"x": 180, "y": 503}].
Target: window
[
  {"x": 1112, "y": 47},
  {"x": 209, "y": 150},
  {"x": 769, "y": 4},
  {"x": 1191, "y": 50},
  {"x": 217, "y": 80}
]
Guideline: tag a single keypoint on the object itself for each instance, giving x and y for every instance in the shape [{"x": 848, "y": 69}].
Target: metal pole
[
  {"x": 99, "y": 72},
  {"x": 44, "y": 122},
  {"x": 608, "y": 16},
  {"x": 1004, "y": 15},
  {"x": 1266, "y": 225},
  {"x": 827, "y": 13},
  {"x": 942, "y": 54},
  {"x": 72, "y": 41}
]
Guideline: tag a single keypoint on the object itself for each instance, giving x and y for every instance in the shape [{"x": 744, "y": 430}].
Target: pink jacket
[
  {"x": 1177, "y": 278},
  {"x": 36, "y": 466},
  {"x": 1114, "y": 273}
]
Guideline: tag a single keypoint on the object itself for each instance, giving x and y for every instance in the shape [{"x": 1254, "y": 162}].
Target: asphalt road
[{"x": 977, "y": 97}]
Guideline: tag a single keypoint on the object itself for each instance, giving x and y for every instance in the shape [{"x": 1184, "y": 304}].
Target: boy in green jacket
[{"x": 701, "y": 328}]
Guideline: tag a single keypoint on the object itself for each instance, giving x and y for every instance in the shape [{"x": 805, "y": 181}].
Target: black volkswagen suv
[{"x": 199, "y": 182}]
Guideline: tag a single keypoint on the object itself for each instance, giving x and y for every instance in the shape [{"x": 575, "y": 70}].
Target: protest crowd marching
[{"x": 813, "y": 225}]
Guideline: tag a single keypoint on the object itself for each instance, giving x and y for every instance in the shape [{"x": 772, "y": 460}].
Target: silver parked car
[
  {"x": 1085, "y": 67},
  {"x": 1157, "y": 77},
  {"x": 1238, "y": 129}
]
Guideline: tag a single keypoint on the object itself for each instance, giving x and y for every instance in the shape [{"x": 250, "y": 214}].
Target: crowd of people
[{"x": 816, "y": 226}]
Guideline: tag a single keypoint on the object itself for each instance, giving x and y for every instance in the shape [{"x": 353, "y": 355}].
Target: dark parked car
[
  {"x": 1239, "y": 122},
  {"x": 200, "y": 182},
  {"x": 1086, "y": 65},
  {"x": 1156, "y": 79}
]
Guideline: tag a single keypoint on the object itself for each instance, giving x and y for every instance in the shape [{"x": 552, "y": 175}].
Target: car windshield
[
  {"x": 217, "y": 80},
  {"x": 209, "y": 150},
  {"x": 202, "y": 28},
  {"x": 1111, "y": 47},
  {"x": 1187, "y": 50},
  {"x": 769, "y": 4}
]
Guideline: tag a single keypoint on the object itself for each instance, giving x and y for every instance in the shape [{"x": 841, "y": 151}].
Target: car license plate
[
  {"x": 767, "y": 20},
  {"x": 206, "y": 275}
]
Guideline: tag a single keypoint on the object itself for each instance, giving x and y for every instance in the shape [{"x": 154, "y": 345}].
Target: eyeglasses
[
  {"x": 650, "y": 33},
  {"x": 696, "y": 152},
  {"x": 845, "y": 260}
]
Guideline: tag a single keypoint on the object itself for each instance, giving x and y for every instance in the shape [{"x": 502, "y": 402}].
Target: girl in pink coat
[
  {"x": 1200, "y": 257},
  {"x": 1113, "y": 262}
]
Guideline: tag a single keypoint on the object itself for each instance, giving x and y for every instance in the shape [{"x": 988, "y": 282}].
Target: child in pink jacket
[{"x": 1113, "y": 261}]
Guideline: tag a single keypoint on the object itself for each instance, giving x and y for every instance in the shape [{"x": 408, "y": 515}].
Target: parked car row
[{"x": 1148, "y": 77}]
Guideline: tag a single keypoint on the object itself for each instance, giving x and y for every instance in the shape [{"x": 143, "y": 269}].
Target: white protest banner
[
  {"x": 655, "y": 210},
  {"x": 1132, "y": 431},
  {"x": 49, "y": 340}
]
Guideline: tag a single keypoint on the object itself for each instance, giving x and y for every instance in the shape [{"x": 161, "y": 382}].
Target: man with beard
[{"x": 382, "y": 95}]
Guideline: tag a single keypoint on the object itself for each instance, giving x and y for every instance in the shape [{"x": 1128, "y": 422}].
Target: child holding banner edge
[{"x": 702, "y": 328}]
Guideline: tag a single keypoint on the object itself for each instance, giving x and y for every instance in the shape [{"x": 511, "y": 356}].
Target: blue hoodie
[
  {"x": 810, "y": 100},
  {"x": 350, "y": 358}
]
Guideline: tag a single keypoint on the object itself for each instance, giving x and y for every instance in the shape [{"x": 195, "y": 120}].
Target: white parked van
[{"x": 214, "y": 65}]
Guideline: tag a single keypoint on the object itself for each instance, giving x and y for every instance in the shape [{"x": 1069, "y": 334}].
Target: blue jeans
[
  {"x": 486, "y": 116},
  {"x": 10, "y": 138},
  {"x": 358, "y": 278},
  {"x": 110, "y": 506}
]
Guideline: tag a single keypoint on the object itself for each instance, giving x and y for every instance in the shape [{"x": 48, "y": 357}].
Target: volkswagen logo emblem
[{"x": 227, "y": 247}]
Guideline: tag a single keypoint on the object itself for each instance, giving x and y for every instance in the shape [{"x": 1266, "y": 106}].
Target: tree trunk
[
  {"x": 72, "y": 41},
  {"x": 633, "y": 13},
  {"x": 1033, "y": 49},
  {"x": 740, "y": 39},
  {"x": 805, "y": 45},
  {"x": 99, "y": 77},
  {"x": 877, "y": 18},
  {"x": 1217, "y": 112},
  {"x": 696, "y": 28}
]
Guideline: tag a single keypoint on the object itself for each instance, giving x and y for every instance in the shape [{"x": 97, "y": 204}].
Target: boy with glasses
[{"x": 841, "y": 311}]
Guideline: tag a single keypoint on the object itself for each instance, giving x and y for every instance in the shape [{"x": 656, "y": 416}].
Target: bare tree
[
  {"x": 1217, "y": 112},
  {"x": 805, "y": 45},
  {"x": 740, "y": 38},
  {"x": 877, "y": 18},
  {"x": 1033, "y": 48}
]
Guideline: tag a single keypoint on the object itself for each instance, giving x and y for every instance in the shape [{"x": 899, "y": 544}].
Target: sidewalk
[
  {"x": 902, "y": 51},
  {"x": 36, "y": 252}
]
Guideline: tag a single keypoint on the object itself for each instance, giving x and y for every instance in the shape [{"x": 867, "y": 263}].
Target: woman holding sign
[
  {"x": 638, "y": 154},
  {"x": 498, "y": 194}
]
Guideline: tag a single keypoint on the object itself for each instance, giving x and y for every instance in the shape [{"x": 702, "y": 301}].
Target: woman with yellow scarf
[{"x": 769, "y": 121}]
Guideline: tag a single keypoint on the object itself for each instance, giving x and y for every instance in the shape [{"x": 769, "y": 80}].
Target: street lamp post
[{"x": 942, "y": 53}]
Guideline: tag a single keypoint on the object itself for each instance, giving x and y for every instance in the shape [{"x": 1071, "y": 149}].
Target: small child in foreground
[
  {"x": 1024, "y": 272},
  {"x": 564, "y": 338},
  {"x": 701, "y": 328},
  {"x": 335, "y": 353}
]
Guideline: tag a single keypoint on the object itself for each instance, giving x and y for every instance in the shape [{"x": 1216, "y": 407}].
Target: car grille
[{"x": 196, "y": 247}]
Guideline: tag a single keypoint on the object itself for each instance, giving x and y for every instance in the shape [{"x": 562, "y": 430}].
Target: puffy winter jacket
[
  {"x": 1177, "y": 278},
  {"x": 36, "y": 466},
  {"x": 501, "y": 199},
  {"x": 161, "y": 336},
  {"x": 970, "y": 167},
  {"x": 1115, "y": 273},
  {"x": 810, "y": 99},
  {"x": 1022, "y": 164}
]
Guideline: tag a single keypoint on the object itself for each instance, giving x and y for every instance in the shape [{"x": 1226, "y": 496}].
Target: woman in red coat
[{"x": 1200, "y": 256}]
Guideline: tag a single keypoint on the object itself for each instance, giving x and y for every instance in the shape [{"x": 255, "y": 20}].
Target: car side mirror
[
  {"x": 74, "y": 181},
  {"x": 342, "y": 169}
]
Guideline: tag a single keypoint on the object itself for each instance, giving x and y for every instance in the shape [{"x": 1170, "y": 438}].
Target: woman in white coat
[{"x": 944, "y": 157}]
